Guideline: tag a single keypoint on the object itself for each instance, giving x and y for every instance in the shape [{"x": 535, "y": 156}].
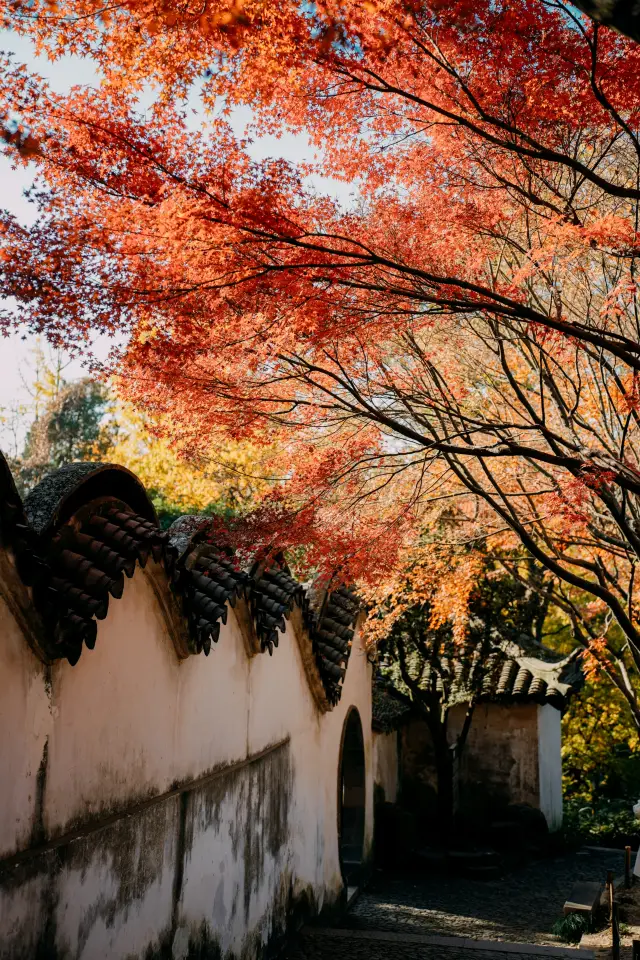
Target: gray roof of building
[{"x": 511, "y": 676}]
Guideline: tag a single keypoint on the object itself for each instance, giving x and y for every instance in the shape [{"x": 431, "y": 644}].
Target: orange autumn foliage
[
  {"x": 467, "y": 331},
  {"x": 431, "y": 576}
]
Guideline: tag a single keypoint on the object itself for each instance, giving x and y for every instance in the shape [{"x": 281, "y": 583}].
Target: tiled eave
[{"x": 86, "y": 528}]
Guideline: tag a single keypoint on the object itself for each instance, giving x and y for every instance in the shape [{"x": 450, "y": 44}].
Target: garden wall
[{"x": 153, "y": 805}]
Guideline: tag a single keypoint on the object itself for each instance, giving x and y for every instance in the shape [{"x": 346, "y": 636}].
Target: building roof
[
  {"x": 86, "y": 527},
  {"x": 511, "y": 676},
  {"x": 523, "y": 677},
  {"x": 390, "y": 709}
]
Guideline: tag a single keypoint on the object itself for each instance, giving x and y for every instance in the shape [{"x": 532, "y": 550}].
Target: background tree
[
  {"x": 69, "y": 428},
  {"x": 63, "y": 422},
  {"x": 66, "y": 421},
  {"x": 599, "y": 749},
  {"x": 225, "y": 481}
]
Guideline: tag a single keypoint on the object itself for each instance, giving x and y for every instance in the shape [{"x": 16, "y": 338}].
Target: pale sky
[{"x": 16, "y": 352}]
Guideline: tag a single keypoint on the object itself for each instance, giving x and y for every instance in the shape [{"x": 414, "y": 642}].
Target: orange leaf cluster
[{"x": 455, "y": 311}]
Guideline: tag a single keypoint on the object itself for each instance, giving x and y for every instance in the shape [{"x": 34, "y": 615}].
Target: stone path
[
  {"x": 520, "y": 907},
  {"x": 323, "y": 944},
  {"x": 441, "y": 917}
]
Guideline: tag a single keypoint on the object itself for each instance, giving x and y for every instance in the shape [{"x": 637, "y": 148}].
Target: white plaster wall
[
  {"x": 213, "y": 703},
  {"x": 22, "y": 918},
  {"x": 385, "y": 764},
  {"x": 499, "y": 764},
  {"x": 501, "y": 753},
  {"x": 356, "y": 693},
  {"x": 279, "y": 694},
  {"x": 113, "y": 738},
  {"x": 114, "y": 897},
  {"x": 236, "y": 888},
  {"x": 279, "y": 704},
  {"x": 129, "y": 722},
  {"x": 512, "y": 755},
  {"x": 550, "y": 762},
  {"x": 26, "y": 722}
]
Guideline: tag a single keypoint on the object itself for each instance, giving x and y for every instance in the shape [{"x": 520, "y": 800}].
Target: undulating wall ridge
[{"x": 85, "y": 527}]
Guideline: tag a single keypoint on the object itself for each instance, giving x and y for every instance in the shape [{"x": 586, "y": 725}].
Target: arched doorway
[{"x": 351, "y": 799}]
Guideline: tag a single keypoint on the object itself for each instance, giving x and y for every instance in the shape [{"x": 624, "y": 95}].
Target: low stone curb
[{"x": 462, "y": 943}]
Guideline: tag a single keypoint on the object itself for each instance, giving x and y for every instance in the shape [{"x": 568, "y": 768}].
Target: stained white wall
[
  {"x": 550, "y": 764},
  {"x": 512, "y": 755},
  {"x": 25, "y": 723},
  {"x": 130, "y": 722}
]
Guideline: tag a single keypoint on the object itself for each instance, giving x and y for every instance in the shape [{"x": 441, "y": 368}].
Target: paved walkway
[
  {"x": 520, "y": 907},
  {"x": 336, "y": 944},
  {"x": 441, "y": 917}
]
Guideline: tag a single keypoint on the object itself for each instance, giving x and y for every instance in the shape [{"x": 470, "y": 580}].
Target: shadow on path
[
  {"x": 520, "y": 907},
  {"x": 401, "y": 916}
]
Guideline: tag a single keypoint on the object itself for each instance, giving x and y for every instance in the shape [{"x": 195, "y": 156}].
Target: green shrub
[
  {"x": 606, "y": 823},
  {"x": 570, "y": 928}
]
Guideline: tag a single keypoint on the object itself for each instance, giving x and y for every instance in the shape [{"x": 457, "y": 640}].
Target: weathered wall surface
[
  {"x": 512, "y": 755},
  {"x": 550, "y": 753},
  {"x": 151, "y": 806},
  {"x": 385, "y": 764},
  {"x": 25, "y": 721},
  {"x": 500, "y": 760}
]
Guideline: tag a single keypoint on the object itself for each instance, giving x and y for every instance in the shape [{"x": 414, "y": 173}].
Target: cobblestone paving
[{"x": 520, "y": 907}]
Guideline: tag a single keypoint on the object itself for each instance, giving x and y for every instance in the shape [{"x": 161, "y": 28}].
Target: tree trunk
[{"x": 444, "y": 759}]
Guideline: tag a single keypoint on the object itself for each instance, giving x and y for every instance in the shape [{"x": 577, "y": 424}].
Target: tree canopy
[{"x": 467, "y": 331}]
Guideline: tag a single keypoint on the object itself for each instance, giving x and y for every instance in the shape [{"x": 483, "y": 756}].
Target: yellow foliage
[
  {"x": 232, "y": 478},
  {"x": 597, "y": 732}
]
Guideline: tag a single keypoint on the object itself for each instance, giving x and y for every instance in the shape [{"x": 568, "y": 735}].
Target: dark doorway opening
[{"x": 351, "y": 800}]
